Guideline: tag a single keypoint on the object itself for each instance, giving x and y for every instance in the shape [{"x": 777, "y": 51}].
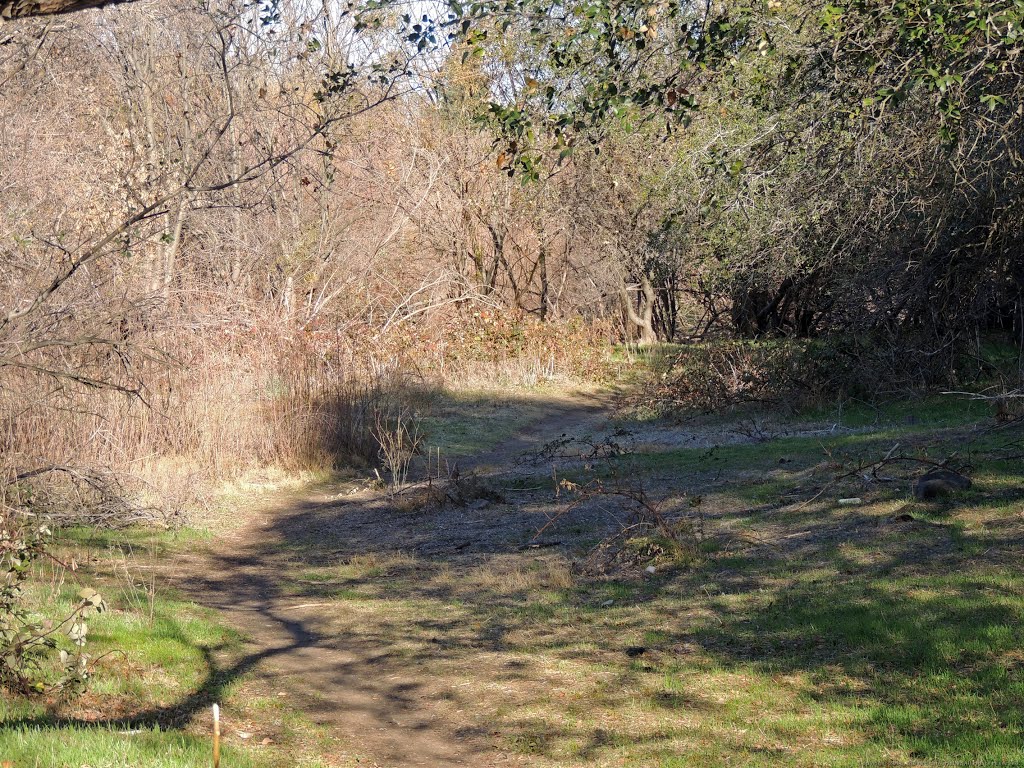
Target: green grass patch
[
  {"x": 927, "y": 664},
  {"x": 931, "y": 412},
  {"x": 465, "y": 423},
  {"x": 76, "y": 746},
  {"x": 152, "y": 542},
  {"x": 160, "y": 661}
]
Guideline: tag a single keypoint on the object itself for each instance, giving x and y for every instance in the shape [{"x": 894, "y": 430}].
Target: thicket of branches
[
  {"x": 848, "y": 171},
  {"x": 237, "y": 235},
  {"x": 231, "y": 232}
]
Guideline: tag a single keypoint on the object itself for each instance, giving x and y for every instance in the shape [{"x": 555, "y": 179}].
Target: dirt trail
[{"x": 344, "y": 671}]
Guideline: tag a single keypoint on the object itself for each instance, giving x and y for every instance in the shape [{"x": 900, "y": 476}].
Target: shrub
[
  {"x": 37, "y": 656},
  {"x": 795, "y": 373},
  {"x": 711, "y": 376}
]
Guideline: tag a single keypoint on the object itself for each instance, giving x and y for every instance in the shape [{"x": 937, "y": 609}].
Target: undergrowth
[{"x": 795, "y": 374}]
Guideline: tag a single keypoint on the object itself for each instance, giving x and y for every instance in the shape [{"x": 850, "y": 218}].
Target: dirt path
[{"x": 380, "y": 696}]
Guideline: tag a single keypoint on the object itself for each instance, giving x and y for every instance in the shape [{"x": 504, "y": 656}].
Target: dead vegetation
[{"x": 649, "y": 537}]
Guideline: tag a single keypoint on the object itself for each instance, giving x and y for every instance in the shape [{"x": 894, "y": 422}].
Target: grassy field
[
  {"x": 798, "y": 631},
  {"x": 886, "y": 633}
]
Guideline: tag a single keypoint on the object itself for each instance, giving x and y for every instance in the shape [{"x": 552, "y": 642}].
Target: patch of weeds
[
  {"x": 469, "y": 490},
  {"x": 465, "y": 490},
  {"x": 609, "y": 592},
  {"x": 646, "y": 536},
  {"x": 657, "y": 551},
  {"x": 418, "y": 499},
  {"x": 655, "y": 638},
  {"x": 317, "y": 575},
  {"x": 711, "y": 545},
  {"x": 767, "y": 491}
]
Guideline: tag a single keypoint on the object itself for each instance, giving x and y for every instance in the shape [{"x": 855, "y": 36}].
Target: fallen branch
[
  {"x": 873, "y": 467},
  {"x": 95, "y": 497}
]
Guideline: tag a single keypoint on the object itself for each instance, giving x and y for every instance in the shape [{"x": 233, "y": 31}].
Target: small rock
[
  {"x": 244, "y": 734},
  {"x": 650, "y": 569},
  {"x": 606, "y": 603},
  {"x": 852, "y": 502}
]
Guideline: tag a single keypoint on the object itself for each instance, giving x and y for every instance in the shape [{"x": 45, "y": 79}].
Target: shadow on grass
[
  {"x": 912, "y": 630},
  {"x": 915, "y": 627},
  {"x": 213, "y": 688},
  {"x": 933, "y": 659}
]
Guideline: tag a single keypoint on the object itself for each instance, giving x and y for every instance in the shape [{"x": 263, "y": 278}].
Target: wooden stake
[{"x": 216, "y": 736}]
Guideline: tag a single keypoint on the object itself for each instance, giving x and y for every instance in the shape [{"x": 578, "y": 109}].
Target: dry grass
[
  {"x": 233, "y": 400},
  {"x": 216, "y": 414},
  {"x": 509, "y": 575}
]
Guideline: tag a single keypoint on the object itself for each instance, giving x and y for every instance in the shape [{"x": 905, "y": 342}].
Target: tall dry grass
[
  {"x": 225, "y": 399},
  {"x": 217, "y": 404}
]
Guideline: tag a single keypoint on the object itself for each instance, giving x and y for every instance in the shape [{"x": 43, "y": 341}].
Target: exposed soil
[{"x": 379, "y": 701}]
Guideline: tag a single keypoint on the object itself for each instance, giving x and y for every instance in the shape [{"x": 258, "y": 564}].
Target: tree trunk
[
  {"x": 169, "y": 246},
  {"x": 542, "y": 262},
  {"x": 490, "y": 275},
  {"x": 644, "y": 318}
]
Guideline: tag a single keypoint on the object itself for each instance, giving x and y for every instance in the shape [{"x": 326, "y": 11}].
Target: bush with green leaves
[
  {"x": 839, "y": 169},
  {"x": 38, "y": 656}
]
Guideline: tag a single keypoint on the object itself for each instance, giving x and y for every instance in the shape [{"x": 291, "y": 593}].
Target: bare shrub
[
  {"x": 481, "y": 346},
  {"x": 399, "y": 437},
  {"x": 716, "y": 375},
  {"x": 793, "y": 373},
  {"x": 647, "y": 535},
  {"x": 65, "y": 495}
]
